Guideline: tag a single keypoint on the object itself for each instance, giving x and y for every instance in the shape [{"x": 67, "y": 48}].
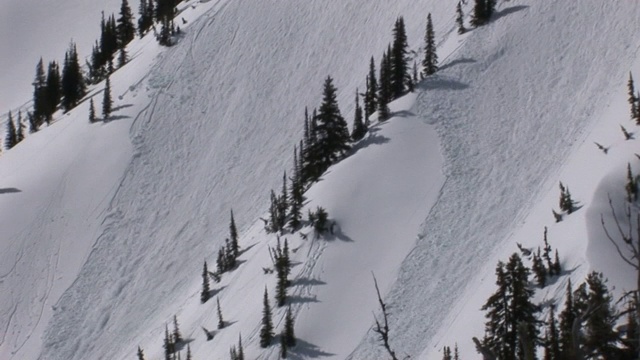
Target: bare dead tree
[
  {"x": 383, "y": 329},
  {"x": 631, "y": 242}
]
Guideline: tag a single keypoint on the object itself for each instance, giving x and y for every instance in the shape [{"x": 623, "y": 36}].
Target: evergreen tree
[
  {"x": 430, "y": 62},
  {"x": 479, "y": 15},
  {"x": 371, "y": 93},
  {"x": 221, "y": 323},
  {"x": 567, "y": 317},
  {"x": 73, "y": 87},
  {"x": 456, "y": 354},
  {"x": 145, "y": 20},
  {"x": 359, "y": 130},
  {"x": 295, "y": 210},
  {"x": 556, "y": 264},
  {"x": 164, "y": 38},
  {"x": 414, "y": 76},
  {"x": 168, "y": 344},
  {"x": 283, "y": 347},
  {"x": 10, "y": 139},
  {"x": 40, "y": 94},
  {"x": 552, "y": 344},
  {"x": 539, "y": 271},
  {"x": 384, "y": 90},
  {"x": 331, "y": 130},
  {"x": 233, "y": 235},
  {"x": 122, "y": 57},
  {"x": 189, "y": 352},
  {"x": 289, "y": 333},
  {"x": 633, "y": 100},
  {"x": 206, "y": 291},
  {"x": 53, "y": 90},
  {"x": 125, "y": 29},
  {"x": 630, "y": 340},
  {"x": 92, "y": 111},
  {"x": 446, "y": 353},
  {"x": 20, "y": 131},
  {"x": 177, "y": 336},
  {"x": 460, "y": 19},
  {"x": 33, "y": 126},
  {"x": 140, "y": 354},
  {"x": 283, "y": 204},
  {"x": 631, "y": 187},
  {"x": 399, "y": 60},
  {"x": 240, "y": 355},
  {"x": 547, "y": 253},
  {"x": 266, "y": 331},
  {"x": 600, "y": 337},
  {"x": 107, "y": 103}
]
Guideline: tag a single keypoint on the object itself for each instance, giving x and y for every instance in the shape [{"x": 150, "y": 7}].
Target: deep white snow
[{"x": 105, "y": 226}]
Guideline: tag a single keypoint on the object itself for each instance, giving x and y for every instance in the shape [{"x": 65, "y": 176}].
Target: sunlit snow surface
[{"x": 105, "y": 226}]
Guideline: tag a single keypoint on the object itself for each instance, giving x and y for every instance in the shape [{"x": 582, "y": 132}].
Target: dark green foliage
[
  {"x": 446, "y": 353},
  {"x": 460, "y": 19},
  {"x": 233, "y": 235},
  {"x": 557, "y": 269},
  {"x": 384, "y": 89},
  {"x": 510, "y": 306},
  {"x": 177, "y": 336},
  {"x": 140, "y": 354},
  {"x": 226, "y": 260},
  {"x": 482, "y": 12},
  {"x": 546, "y": 254},
  {"x": 283, "y": 203},
  {"x": 296, "y": 194},
  {"x": 283, "y": 269},
  {"x": 40, "y": 94},
  {"x": 188, "y": 352},
  {"x": 566, "y": 203},
  {"x": 332, "y": 134},
  {"x": 456, "y": 354},
  {"x": 20, "y": 131},
  {"x": 125, "y": 29},
  {"x": 371, "y": 93},
  {"x": 240, "y": 354},
  {"x": 107, "y": 102},
  {"x": 630, "y": 340},
  {"x": 92, "y": 111},
  {"x": 266, "y": 330},
  {"x": 319, "y": 220},
  {"x": 633, "y": 100},
  {"x": 359, "y": 129},
  {"x": 53, "y": 90},
  {"x": 164, "y": 38},
  {"x": 11, "y": 138},
  {"x": 539, "y": 271},
  {"x": 73, "y": 87},
  {"x": 31, "y": 120},
  {"x": 289, "y": 333},
  {"x": 552, "y": 341},
  {"x": 145, "y": 18},
  {"x": 399, "y": 60},
  {"x": 430, "y": 62},
  {"x": 600, "y": 338},
  {"x": 168, "y": 344},
  {"x": 221, "y": 323},
  {"x": 205, "y": 293},
  {"x": 122, "y": 57},
  {"x": 283, "y": 347},
  {"x": 631, "y": 187}
]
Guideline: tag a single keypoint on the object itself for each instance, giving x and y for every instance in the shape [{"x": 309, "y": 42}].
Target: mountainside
[{"x": 107, "y": 224}]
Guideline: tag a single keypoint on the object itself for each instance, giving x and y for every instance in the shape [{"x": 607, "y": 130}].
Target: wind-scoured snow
[{"x": 107, "y": 224}]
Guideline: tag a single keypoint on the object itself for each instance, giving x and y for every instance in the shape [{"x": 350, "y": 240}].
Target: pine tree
[
  {"x": 430, "y": 62},
  {"x": 283, "y": 203},
  {"x": 546, "y": 254},
  {"x": 331, "y": 130},
  {"x": 92, "y": 111},
  {"x": 122, "y": 57},
  {"x": 631, "y": 186},
  {"x": 384, "y": 90},
  {"x": 205, "y": 293},
  {"x": 168, "y": 344},
  {"x": 189, "y": 352},
  {"x": 233, "y": 235},
  {"x": 140, "y": 354},
  {"x": 359, "y": 129},
  {"x": 567, "y": 317},
  {"x": 557, "y": 269},
  {"x": 266, "y": 331},
  {"x": 40, "y": 94},
  {"x": 295, "y": 208},
  {"x": 630, "y": 340},
  {"x": 600, "y": 337},
  {"x": 539, "y": 271},
  {"x": 240, "y": 355},
  {"x": 398, "y": 58},
  {"x": 371, "y": 93},
  {"x": 73, "y": 87},
  {"x": 460, "y": 19},
  {"x": 456, "y": 354},
  {"x": 107, "y": 103},
  {"x": 446, "y": 353},
  {"x": 10, "y": 139},
  {"x": 552, "y": 344},
  {"x": 125, "y": 29},
  {"x": 283, "y": 347},
  {"x": 479, "y": 15},
  {"x": 633, "y": 100},
  {"x": 33, "y": 126},
  {"x": 20, "y": 131},
  {"x": 145, "y": 20},
  {"x": 53, "y": 90},
  {"x": 221, "y": 323},
  {"x": 177, "y": 336},
  {"x": 289, "y": 333}
]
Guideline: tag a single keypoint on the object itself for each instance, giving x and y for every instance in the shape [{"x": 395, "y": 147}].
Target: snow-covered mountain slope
[{"x": 106, "y": 237}]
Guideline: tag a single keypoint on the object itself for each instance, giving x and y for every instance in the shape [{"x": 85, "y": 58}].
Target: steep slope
[{"x": 509, "y": 107}]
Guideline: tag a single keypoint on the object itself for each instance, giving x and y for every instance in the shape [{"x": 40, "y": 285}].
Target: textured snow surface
[{"x": 105, "y": 226}]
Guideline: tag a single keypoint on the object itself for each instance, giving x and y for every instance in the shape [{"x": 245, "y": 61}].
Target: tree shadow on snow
[
  {"x": 115, "y": 118},
  {"x": 509, "y": 11},
  {"x": 214, "y": 292},
  {"x": 9, "y": 190},
  {"x": 241, "y": 252},
  {"x": 307, "y": 282},
  {"x": 335, "y": 232},
  {"x": 306, "y": 350},
  {"x": 183, "y": 344},
  {"x": 371, "y": 139},
  {"x": 121, "y": 107},
  {"x": 402, "y": 113},
  {"x": 441, "y": 83},
  {"x": 296, "y": 299},
  {"x": 456, "y": 62}
]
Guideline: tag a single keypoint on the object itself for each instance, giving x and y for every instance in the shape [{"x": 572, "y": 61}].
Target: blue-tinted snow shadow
[
  {"x": 296, "y": 299},
  {"x": 306, "y": 350},
  {"x": 457, "y": 62},
  {"x": 435, "y": 82},
  {"x": 120, "y": 107},
  {"x": 509, "y": 11},
  {"x": 9, "y": 190},
  {"x": 371, "y": 138},
  {"x": 183, "y": 344},
  {"x": 307, "y": 282}
]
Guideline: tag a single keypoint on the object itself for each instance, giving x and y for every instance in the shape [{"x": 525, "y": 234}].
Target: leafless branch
[{"x": 383, "y": 329}]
